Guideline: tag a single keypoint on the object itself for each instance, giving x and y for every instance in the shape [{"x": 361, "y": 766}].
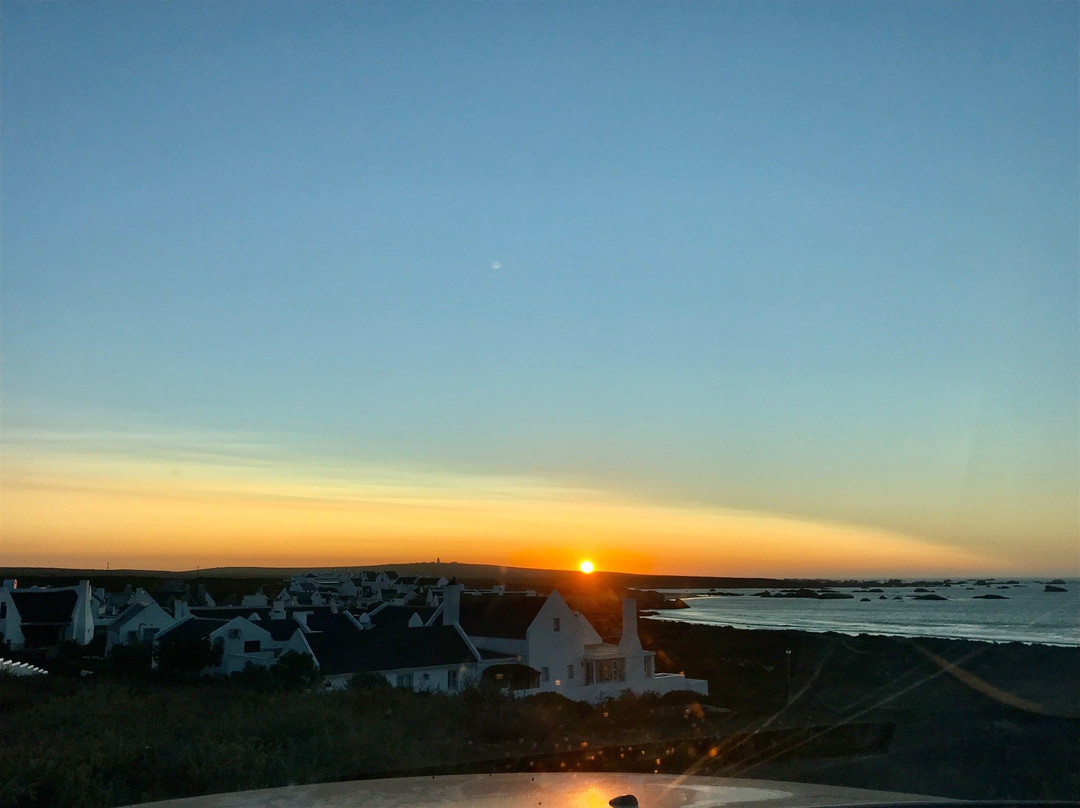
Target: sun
[{"x": 586, "y": 567}]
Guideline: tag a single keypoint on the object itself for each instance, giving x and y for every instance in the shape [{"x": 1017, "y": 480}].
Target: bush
[
  {"x": 368, "y": 681},
  {"x": 132, "y": 659},
  {"x": 187, "y": 656}
]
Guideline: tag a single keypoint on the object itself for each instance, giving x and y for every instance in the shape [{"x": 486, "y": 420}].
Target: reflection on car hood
[{"x": 576, "y": 790}]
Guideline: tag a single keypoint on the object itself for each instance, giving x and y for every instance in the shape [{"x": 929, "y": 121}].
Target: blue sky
[{"x": 809, "y": 259}]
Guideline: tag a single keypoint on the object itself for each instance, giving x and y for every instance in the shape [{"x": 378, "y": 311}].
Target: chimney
[
  {"x": 451, "y": 605},
  {"x": 180, "y": 609},
  {"x": 629, "y": 641}
]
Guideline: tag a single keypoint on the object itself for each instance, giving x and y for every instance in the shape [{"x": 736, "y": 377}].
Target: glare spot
[{"x": 496, "y": 264}]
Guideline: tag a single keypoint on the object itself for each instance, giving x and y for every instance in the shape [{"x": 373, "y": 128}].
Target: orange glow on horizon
[
  {"x": 586, "y": 567},
  {"x": 93, "y": 511}
]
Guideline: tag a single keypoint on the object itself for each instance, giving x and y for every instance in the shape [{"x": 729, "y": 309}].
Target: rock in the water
[
  {"x": 990, "y": 597},
  {"x": 1054, "y": 588},
  {"x": 929, "y": 597}
]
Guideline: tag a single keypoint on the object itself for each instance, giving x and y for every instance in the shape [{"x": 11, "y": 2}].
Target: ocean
[{"x": 1028, "y": 615}]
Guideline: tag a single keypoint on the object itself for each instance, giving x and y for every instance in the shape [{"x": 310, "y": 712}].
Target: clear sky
[{"x": 718, "y": 287}]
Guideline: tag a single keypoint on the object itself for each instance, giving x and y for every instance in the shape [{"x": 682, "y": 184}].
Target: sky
[{"x": 689, "y": 287}]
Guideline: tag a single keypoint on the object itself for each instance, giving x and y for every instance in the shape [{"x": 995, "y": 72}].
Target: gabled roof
[
  {"x": 395, "y": 617},
  {"x": 280, "y": 630},
  {"x": 44, "y": 605},
  {"x": 191, "y": 628},
  {"x": 506, "y": 616},
  {"x": 328, "y": 621},
  {"x": 430, "y": 646},
  {"x": 427, "y": 581},
  {"x": 229, "y": 612},
  {"x": 130, "y": 612}
]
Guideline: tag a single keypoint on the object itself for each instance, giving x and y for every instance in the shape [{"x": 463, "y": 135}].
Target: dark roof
[
  {"x": 280, "y": 630},
  {"x": 328, "y": 621},
  {"x": 485, "y": 654},
  {"x": 229, "y": 612},
  {"x": 128, "y": 613},
  {"x": 395, "y": 617},
  {"x": 192, "y": 628},
  {"x": 351, "y": 652},
  {"x": 45, "y": 606},
  {"x": 427, "y": 581},
  {"x": 506, "y": 616}
]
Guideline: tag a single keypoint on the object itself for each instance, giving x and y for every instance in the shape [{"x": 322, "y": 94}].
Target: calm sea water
[{"x": 1029, "y": 615}]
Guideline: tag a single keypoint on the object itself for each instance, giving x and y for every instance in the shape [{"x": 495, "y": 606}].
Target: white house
[
  {"x": 422, "y": 658},
  {"x": 242, "y": 641},
  {"x": 139, "y": 622},
  {"x": 563, "y": 649},
  {"x": 45, "y": 616}
]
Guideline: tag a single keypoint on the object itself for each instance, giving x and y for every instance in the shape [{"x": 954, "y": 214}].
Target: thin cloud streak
[{"x": 136, "y": 505}]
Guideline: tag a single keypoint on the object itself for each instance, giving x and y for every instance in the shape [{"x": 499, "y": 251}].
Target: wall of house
[
  {"x": 439, "y": 679},
  {"x": 151, "y": 617},
  {"x": 502, "y": 645},
  {"x": 556, "y": 642},
  {"x": 234, "y": 635},
  {"x": 11, "y": 622},
  {"x": 82, "y": 618}
]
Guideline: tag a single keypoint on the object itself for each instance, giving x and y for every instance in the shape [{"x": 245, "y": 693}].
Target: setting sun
[{"x": 586, "y": 567}]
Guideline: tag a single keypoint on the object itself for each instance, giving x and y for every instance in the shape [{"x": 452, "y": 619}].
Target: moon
[{"x": 496, "y": 265}]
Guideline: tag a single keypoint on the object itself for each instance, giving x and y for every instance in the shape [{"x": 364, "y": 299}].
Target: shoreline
[{"x": 792, "y": 628}]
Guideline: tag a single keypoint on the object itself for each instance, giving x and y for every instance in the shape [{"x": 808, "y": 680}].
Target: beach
[{"x": 1018, "y": 611}]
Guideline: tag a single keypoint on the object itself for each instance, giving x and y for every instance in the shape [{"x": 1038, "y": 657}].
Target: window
[
  {"x": 451, "y": 680},
  {"x": 650, "y": 666},
  {"x": 234, "y": 634},
  {"x": 252, "y": 646},
  {"x": 605, "y": 670},
  {"x": 404, "y": 680},
  {"x": 569, "y": 671},
  {"x": 545, "y": 674},
  {"x": 556, "y": 623},
  {"x": 3, "y": 609}
]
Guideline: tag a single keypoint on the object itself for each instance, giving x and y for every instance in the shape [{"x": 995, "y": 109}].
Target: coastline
[{"x": 1028, "y": 617}]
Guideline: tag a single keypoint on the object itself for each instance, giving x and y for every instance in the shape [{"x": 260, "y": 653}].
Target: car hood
[{"x": 572, "y": 790}]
